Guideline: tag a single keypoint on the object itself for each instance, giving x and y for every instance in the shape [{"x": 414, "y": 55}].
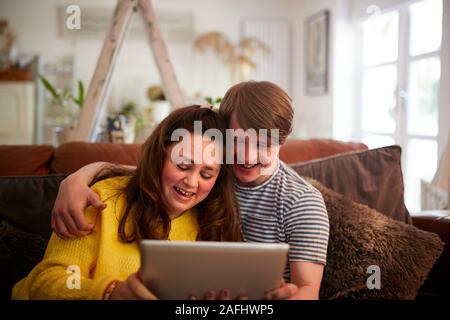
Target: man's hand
[
  {"x": 306, "y": 278},
  {"x": 74, "y": 196},
  {"x": 284, "y": 292}
]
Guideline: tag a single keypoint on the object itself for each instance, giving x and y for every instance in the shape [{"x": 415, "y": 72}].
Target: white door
[{"x": 400, "y": 87}]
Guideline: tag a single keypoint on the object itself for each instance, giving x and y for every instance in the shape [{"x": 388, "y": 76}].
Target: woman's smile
[{"x": 183, "y": 194}]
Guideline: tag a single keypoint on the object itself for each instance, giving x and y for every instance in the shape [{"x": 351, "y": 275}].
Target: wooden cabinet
[{"x": 17, "y": 113}]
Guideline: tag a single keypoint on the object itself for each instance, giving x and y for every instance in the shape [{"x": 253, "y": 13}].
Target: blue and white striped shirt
[{"x": 286, "y": 209}]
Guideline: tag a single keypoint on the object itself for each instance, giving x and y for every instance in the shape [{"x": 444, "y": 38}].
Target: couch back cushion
[
  {"x": 69, "y": 157},
  {"x": 25, "y": 160},
  {"x": 294, "y": 151},
  {"x": 26, "y": 202},
  {"x": 372, "y": 177}
]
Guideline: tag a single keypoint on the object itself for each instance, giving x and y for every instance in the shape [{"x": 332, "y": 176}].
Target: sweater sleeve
[{"x": 53, "y": 277}]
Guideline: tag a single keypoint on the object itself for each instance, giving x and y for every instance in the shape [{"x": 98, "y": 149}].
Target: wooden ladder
[{"x": 94, "y": 107}]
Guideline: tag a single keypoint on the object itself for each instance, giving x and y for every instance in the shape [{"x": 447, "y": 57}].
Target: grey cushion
[
  {"x": 20, "y": 251},
  {"x": 25, "y": 213},
  {"x": 26, "y": 202}
]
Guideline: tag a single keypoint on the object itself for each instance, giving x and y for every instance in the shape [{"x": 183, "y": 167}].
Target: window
[{"x": 400, "y": 87}]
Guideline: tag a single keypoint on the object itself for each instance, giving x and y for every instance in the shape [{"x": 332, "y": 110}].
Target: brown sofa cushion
[
  {"x": 361, "y": 237},
  {"x": 71, "y": 156},
  {"x": 25, "y": 160},
  {"x": 295, "y": 150},
  {"x": 372, "y": 177}
]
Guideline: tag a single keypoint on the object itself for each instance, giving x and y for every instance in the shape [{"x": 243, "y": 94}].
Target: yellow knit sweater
[{"x": 100, "y": 256}]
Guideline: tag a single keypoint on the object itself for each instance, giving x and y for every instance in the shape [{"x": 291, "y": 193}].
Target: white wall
[
  {"x": 36, "y": 24},
  {"x": 345, "y": 56},
  {"x": 313, "y": 114},
  {"x": 327, "y": 115}
]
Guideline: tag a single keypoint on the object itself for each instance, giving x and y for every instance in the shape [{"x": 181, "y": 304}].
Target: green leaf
[
  {"x": 209, "y": 100},
  {"x": 50, "y": 88},
  {"x": 66, "y": 96},
  {"x": 218, "y": 100},
  {"x": 80, "y": 100}
]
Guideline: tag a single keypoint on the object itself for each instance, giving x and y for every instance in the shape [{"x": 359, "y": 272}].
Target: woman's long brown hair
[{"x": 145, "y": 216}]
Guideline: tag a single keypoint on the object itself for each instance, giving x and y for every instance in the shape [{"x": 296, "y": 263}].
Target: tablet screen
[{"x": 178, "y": 269}]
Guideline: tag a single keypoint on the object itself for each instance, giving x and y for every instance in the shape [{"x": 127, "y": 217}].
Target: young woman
[{"x": 161, "y": 199}]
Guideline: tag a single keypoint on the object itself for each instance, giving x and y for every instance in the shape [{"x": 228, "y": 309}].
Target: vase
[
  {"x": 129, "y": 129},
  {"x": 65, "y": 135},
  {"x": 161, "y": 109},
  {"x": 60, "y": 122}
]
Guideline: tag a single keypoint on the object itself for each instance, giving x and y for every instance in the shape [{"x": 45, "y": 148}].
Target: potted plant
[{"x": 63, "y": 110}]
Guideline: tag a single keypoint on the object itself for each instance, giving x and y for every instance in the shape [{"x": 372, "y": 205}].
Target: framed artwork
[{"x": 317, "y": 47}]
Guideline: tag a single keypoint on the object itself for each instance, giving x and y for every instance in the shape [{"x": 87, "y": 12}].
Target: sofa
[
  {"x": 69, "y": 157},
  {"x": 362, "y": 188}
]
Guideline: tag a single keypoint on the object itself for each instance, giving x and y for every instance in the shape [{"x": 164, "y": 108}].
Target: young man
[{"x": 276, "y": 205}]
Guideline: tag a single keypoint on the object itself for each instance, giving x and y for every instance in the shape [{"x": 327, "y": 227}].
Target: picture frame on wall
[{"x": 317, "y": 30}]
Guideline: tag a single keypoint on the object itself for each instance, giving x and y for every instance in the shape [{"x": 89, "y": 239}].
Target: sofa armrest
[
  {"x": 434, "y": 221},
  {"x": 437, "y": 222}
]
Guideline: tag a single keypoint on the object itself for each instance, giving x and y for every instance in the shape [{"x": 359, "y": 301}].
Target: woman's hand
[{"x": 132, "y": 289}]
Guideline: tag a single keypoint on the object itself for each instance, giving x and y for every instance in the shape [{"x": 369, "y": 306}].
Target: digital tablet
[{"x": 177, "y": 269}]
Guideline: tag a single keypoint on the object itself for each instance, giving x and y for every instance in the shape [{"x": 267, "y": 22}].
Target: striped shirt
[{"x": 286, "y": 209}]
